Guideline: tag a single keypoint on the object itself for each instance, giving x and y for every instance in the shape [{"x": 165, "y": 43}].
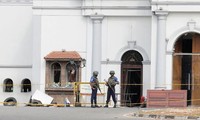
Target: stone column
[
  {"x": 161, "y": 50},
  {"x": 96, "y": 42},
  {"x": 63, "y": 75}
]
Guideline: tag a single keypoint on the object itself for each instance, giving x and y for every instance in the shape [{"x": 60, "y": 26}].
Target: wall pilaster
[
  {"x": 96, "y": 42},
  {"x": 161, "y": 49}
]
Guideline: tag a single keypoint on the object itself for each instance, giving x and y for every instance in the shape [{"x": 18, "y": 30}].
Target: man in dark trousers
[
  {"x": 94, "y": 83},
  {"x": 111, "y": 83}
]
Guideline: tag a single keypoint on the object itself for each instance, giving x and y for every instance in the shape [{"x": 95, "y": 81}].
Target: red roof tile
[{"x": 63, "y": 55}]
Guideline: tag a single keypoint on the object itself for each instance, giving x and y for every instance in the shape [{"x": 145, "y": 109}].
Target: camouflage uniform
[{"x": 112, "y": 81}]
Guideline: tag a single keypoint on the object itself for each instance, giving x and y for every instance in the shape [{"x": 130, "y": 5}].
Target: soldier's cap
[
  {"x": 112, "y": 72},
  {"x": 95, "y": 73}
]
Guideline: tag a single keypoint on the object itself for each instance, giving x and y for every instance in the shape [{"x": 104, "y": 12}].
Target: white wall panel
[
  {"x": 16, "y": 35},
  {"x": 63, "y": 32},
  {"x": 119, "y": 32}
]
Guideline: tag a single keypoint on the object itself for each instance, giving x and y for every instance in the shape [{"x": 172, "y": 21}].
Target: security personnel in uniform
[
  {"x": 111, "y": 83},
  {"x": 94, "y": 83}
]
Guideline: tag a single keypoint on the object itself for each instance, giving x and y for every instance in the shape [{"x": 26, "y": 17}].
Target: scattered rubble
[{"x": 188, "y": 113}]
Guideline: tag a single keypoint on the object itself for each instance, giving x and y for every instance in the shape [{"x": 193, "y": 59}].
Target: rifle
[
  {"x": 109, "y": 85},
  {"x": 97, "y": 86},
  {"x": 99, "y": 89}
]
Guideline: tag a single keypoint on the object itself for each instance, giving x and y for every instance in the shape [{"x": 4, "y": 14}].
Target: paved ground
[
  {"x": 64, "y": 113},
  {"x": 77, "y": 113}
]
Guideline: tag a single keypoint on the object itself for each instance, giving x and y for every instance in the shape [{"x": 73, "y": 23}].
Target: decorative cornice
[
  {"x": 161, "y": 12},
  {"x": 174, "y": 3},
  {"x": 15, "y": 2},
  {"x": 111, "y": 62},
  {"x": 15, "y": 66},
  {"x": 147, "y": 62},
  {"x": 58, "y": 7},
  {"x": 97, "y": 18},
  {"x": 118, "y": 7},
  {"x": 95, "y": 7}
]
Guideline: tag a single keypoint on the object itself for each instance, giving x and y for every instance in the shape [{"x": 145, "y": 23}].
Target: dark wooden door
[
  {"x": 131, "y": 86},
  {"x": 196, "y": 70}
]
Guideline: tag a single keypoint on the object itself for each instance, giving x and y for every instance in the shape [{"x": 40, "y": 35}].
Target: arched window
[
  {"x": 8, "y": 85},
  {"x": 26, "y": 85},
  {"x": 56, "y": 71},
  {"x": 71, "y": 73}
]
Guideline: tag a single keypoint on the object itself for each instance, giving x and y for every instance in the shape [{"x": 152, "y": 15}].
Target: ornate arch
[
  {"x": 191, "y": 27},
  {"x": 132, "y": 46},
  {"x": 132, "y": 56}
]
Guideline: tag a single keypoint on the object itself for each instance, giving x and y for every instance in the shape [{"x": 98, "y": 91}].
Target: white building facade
[{"x": 144, "y": 41}]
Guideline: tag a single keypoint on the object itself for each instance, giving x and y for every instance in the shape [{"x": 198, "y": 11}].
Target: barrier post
[{"x": 77, "y": 95}]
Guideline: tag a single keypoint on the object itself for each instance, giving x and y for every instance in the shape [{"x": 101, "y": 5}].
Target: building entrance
[
  {"x": 131, "y": 79},
  {"x": 186, "y": 66}
]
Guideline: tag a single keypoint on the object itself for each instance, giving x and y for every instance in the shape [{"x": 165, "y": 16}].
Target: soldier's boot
[
  {"x": 96, "y": 105},
  {"x": 115, "y": 105},
  {"x": 92, "y": 106},
  {"x": 106, "y": 105}
]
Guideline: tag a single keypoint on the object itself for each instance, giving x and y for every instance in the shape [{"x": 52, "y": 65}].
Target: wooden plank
[
  {"x": 195, "y": 70},
  {"x": 177, "y": 67},
  {"x": 166, "y": 98}
]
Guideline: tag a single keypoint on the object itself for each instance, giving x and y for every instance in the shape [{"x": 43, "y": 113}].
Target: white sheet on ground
[{"x": 42, "y": 97}]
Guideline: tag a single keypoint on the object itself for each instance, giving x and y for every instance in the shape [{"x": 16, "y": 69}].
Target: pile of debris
[{"x": 40, "y": 99}]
